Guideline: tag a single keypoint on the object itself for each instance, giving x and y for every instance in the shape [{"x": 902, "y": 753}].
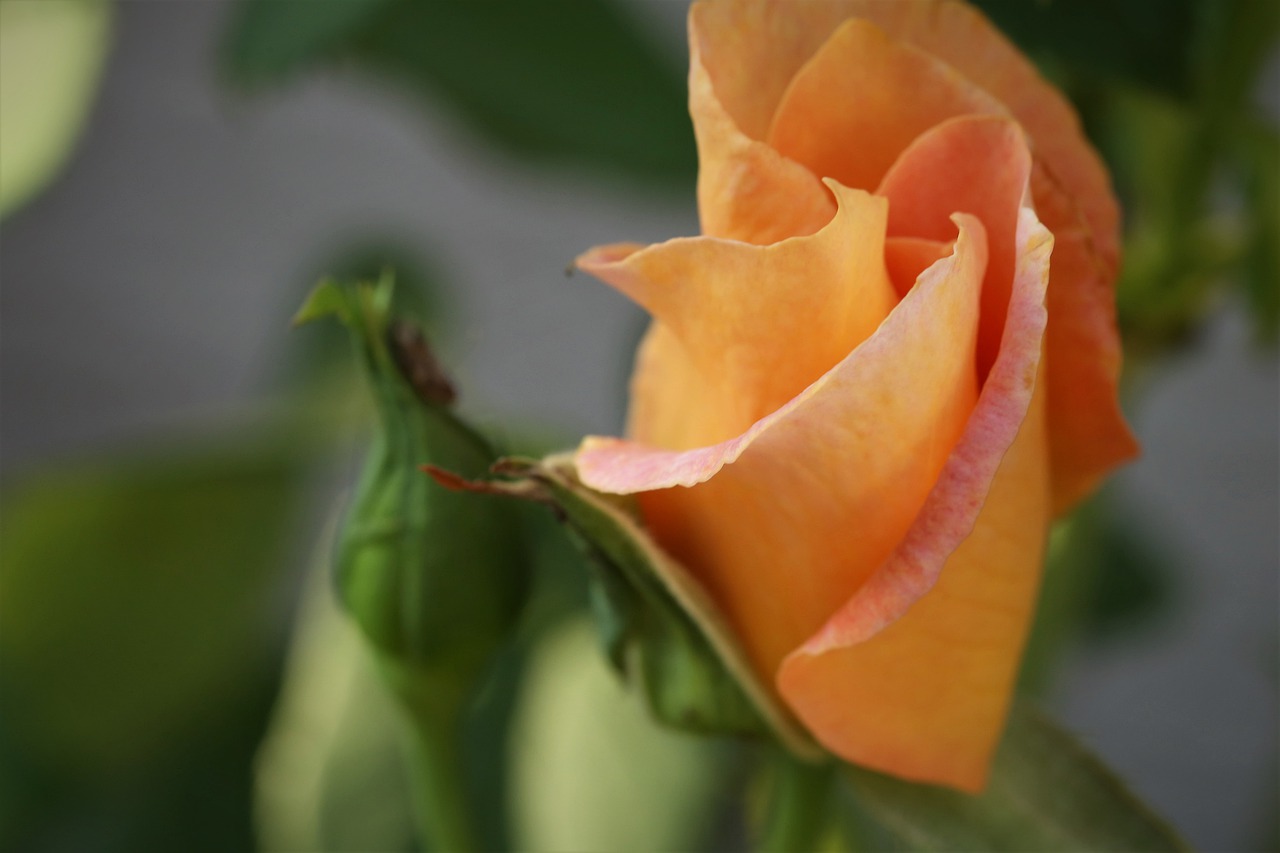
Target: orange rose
[{"x": 858, "y": 409}]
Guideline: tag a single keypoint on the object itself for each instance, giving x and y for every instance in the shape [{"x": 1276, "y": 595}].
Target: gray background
[{"x": 150, "y": 289}]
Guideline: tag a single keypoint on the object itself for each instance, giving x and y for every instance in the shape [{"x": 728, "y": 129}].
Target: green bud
[{"x": 435, "y": 579}]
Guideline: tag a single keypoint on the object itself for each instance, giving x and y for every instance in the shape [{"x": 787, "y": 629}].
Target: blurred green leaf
[
  {"x": 121, "y": 582},
  {"x": 797, "y": 803},
  {"x": 1234, "y": 39},
  {"x": 140, "y": 606},
  {"x": 1149, "y": 42},
  {"x": 1107, "y": 575},
  {"x": 51, "y": 57},
  {"x": 571, "y": 83},
  {"x": 1258, "y": 159},
  {"x": 1045, "y": 793},
  {"x": 592, "y": 772},
  {"x": 1187, "y": 243},
  {"x": 330, "y": 774},
  {"x": 267, "y": 40},
  {"x": 1132, "y": 583}
]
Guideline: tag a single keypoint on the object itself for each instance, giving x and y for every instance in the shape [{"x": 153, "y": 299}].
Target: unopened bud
[{"x": 434, "y": 579}]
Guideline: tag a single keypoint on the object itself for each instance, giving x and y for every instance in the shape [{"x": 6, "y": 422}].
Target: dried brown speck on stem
[{"x": 418, "y": 365}]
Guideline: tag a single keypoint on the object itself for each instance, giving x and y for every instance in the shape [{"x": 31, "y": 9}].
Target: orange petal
[
  {"x": 758, "y": 323},
  {"x": 1073, "y": 198},
  {"x": 1087, "y": 430},
  {"x": 784, "y": 521},
  {"x": 752, "y": 49},
  {"x": 907, "y": 257},
  {"x": 670, "y": 406},
  {"x": 862, "y": 99},
  {"x": 746, "y": 190},
  {"x": 914, "y": 674},
  {"x": 977, "y": 164}
]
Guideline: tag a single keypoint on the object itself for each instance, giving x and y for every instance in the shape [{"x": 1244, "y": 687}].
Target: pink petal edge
[
  {"x": 617, "y": 466},
  {"x": 952, "y": 507}
]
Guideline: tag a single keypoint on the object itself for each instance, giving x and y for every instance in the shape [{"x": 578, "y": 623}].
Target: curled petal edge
[
  {"x": 617, "y": 466},
  {"x": 949, "y": 741},
  {"x": 952, "y": 507}
]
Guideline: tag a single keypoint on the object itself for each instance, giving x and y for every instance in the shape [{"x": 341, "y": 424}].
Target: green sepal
[
  {"x": 1046, "y": 792},
  {"x": 659, "y": 628},
  {"x": 434, "y": 579}
]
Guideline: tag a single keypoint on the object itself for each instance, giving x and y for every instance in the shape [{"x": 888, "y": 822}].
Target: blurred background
[{"x": 174, "y": 177}]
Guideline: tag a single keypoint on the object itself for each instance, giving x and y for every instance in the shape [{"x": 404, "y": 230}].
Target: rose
[{"x": 857, "y": 411}]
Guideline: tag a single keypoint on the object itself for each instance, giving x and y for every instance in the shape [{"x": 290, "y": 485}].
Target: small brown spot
[{"x": 418, "y": 364}]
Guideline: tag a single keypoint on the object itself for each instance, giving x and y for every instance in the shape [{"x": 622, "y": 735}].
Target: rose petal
[
  {"x": 669, "y": 402},
  {"x": 978, "y": 164},
  {"x": 784, "y": 520},
  {"x": 862, "y": 98},
  {"x": 1087, "y": 430},
  {"x": 914, "y": 674},
  {"x": 746, "y": 190},
  {"x": 907, "y": 257},
  {"x": 1073, "y": 199},
  {"x": 751, "y": 50},
  {"x": 758, "y": 323}
]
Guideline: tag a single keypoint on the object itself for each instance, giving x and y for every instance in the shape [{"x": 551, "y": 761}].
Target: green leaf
[
  {"x": 592, "y": 772},
  {"x": 51, "y": 57},
  {"x": 1045, "y": 793},
  {"x": 328, "y": 299},
  {"x": 799, "y": 799},
  {"x": 1258, "y": 159},
  {"x": 567, "y": 83},
  {"x": 140, "y": 604},
  {"x": 121, "y": 585},
  {"x": 1149, "y": 42},
  {"x": 270, "y": 39},
  {"x": 1107, "y": 575}
]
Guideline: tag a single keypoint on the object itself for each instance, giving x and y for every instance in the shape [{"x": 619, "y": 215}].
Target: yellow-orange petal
[
  {"x": 746, "y": 190},
  {"x": 913, "y": 675},
  {"x": 751, "y": 50},
  {"x": 1073, "y": 198},
  {"x": 907, "y": 257},
  {"x": 862, "y": 98},
  {"x": 669, "y": 404},
  {"x": 978, "y": 164},
  {"x": 758, "y": 323},
  {"x": 785, "y": 521}
]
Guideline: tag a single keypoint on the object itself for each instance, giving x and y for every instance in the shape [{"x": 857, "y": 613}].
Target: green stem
[
  {"x": 435, "y": 711},
  {"x": 798, "y": 805}
]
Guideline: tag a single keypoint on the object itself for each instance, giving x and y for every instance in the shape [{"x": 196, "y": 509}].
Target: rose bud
[
  {"x": 887, "y": 364},
  {"x": 434, "y": 579}
]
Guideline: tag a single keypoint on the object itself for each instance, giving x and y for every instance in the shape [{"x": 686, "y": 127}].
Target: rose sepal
[{"x": 660, "y": 629}]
